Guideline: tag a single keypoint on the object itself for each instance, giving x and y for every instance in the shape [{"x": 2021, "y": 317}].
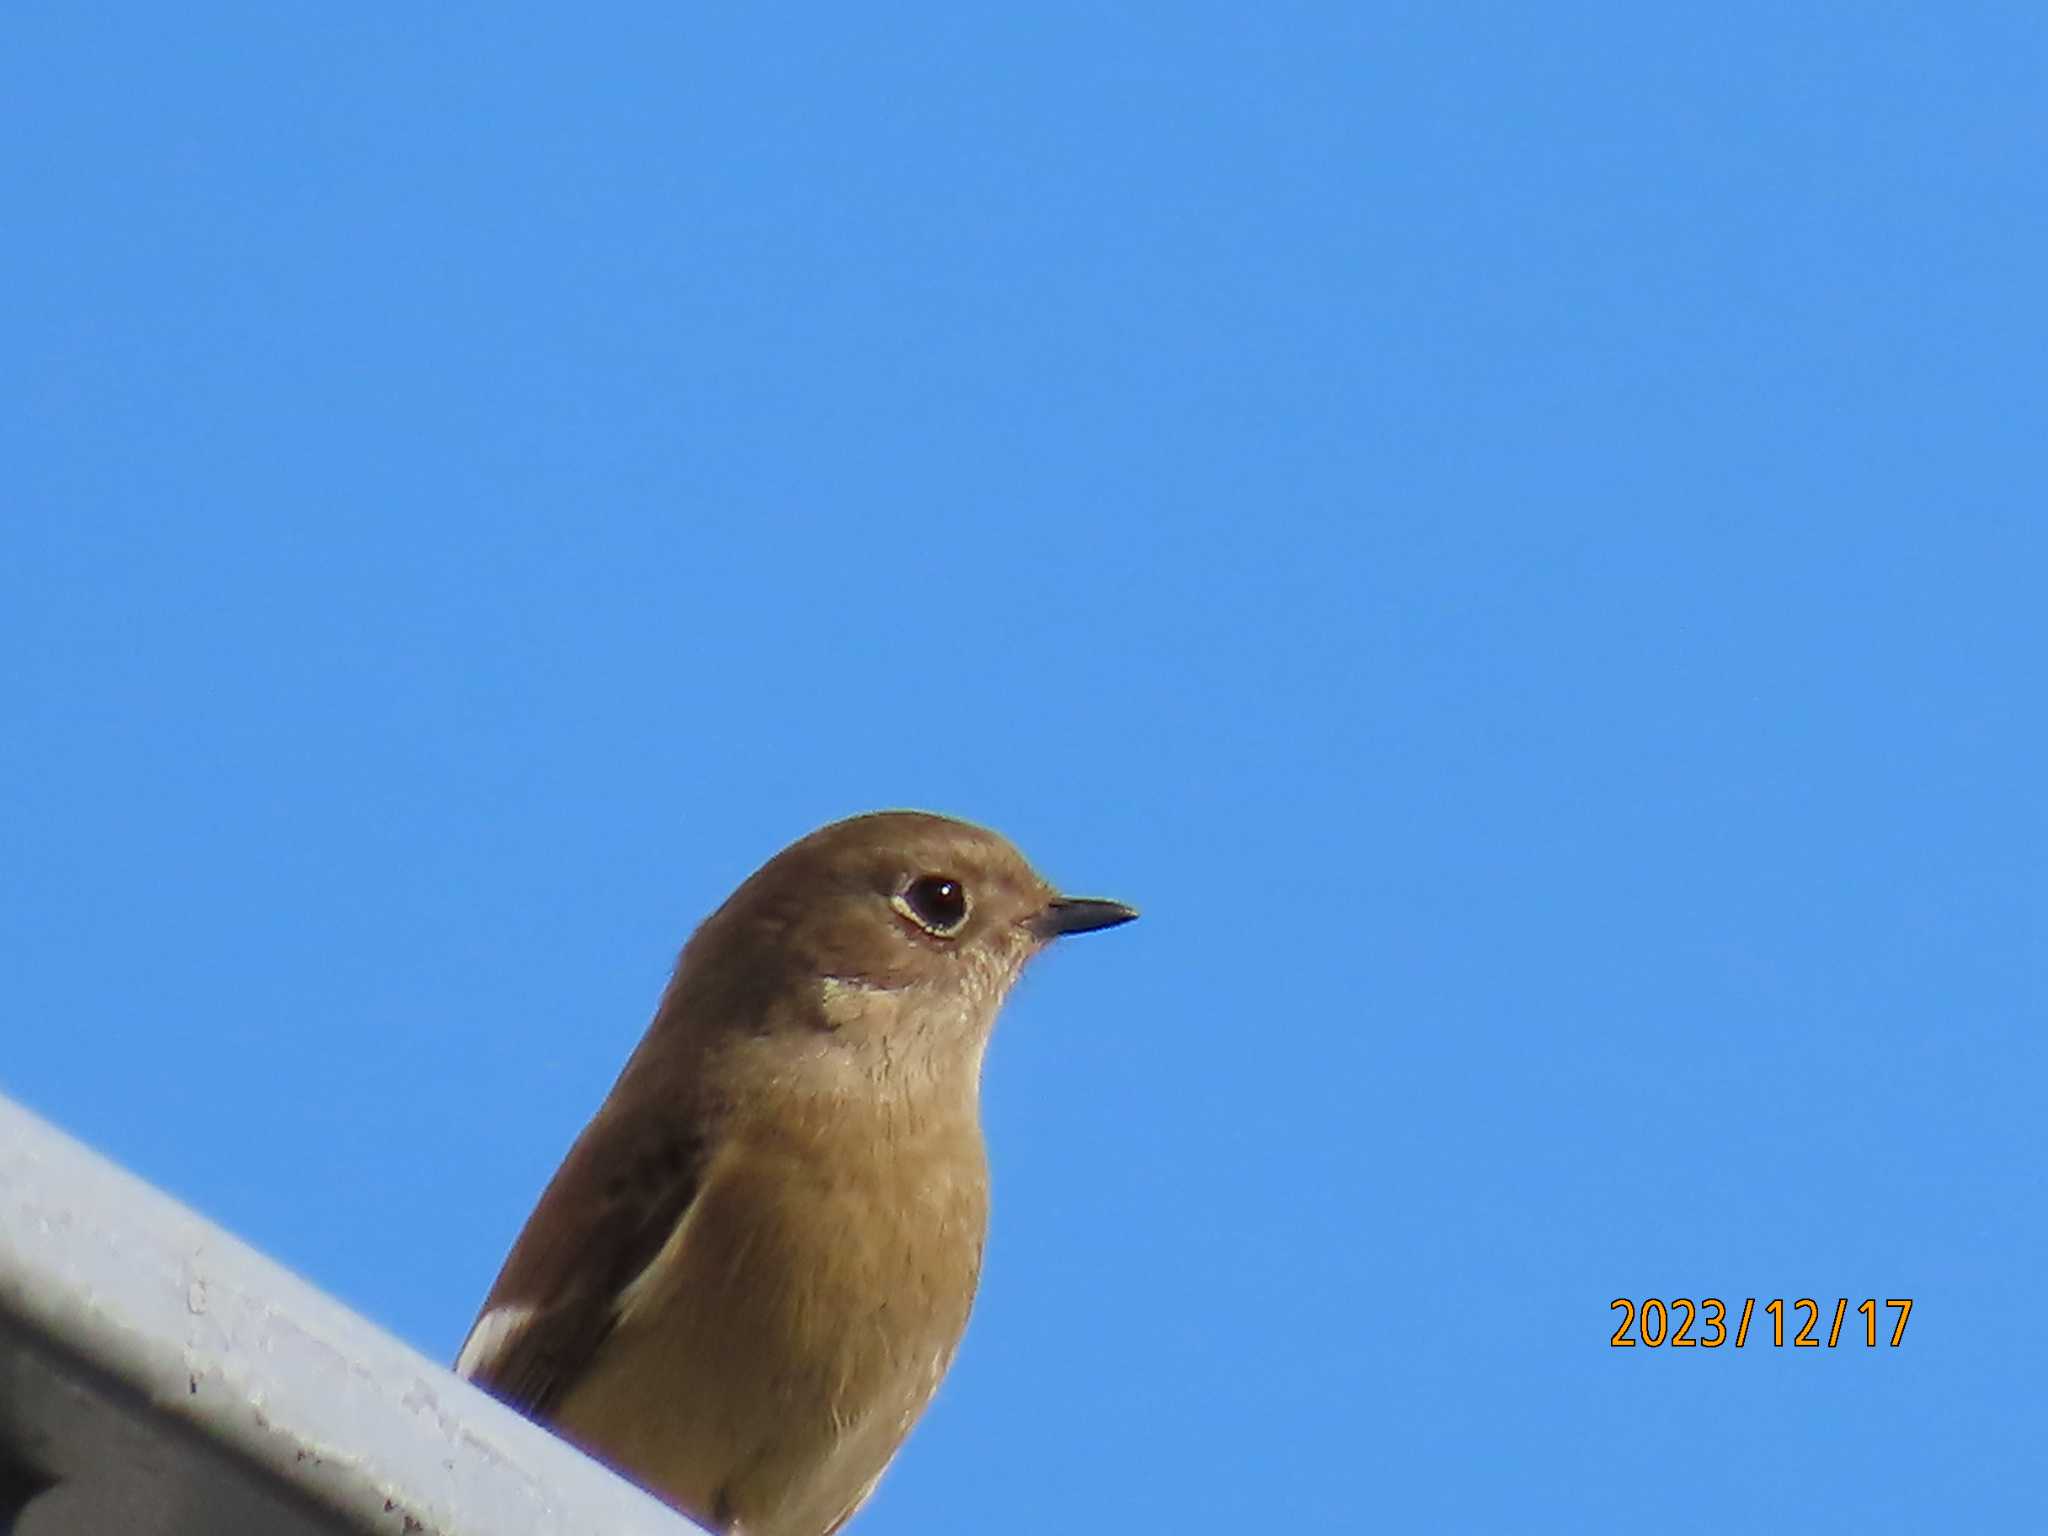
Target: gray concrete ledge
[{"x": 160, "y": 1378}]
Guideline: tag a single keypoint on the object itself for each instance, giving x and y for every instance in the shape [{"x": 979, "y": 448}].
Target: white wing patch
[{"x": 489, "y": 1339}]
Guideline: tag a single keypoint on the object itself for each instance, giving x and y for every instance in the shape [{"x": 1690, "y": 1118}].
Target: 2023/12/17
[{"x": 1659, "y": 1323}]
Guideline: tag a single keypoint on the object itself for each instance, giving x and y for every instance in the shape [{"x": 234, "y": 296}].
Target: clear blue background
[{"x": 1516, "y": 534}]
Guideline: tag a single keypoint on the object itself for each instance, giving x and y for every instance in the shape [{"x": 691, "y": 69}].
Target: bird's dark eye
[{"x": 936, "y": 903}]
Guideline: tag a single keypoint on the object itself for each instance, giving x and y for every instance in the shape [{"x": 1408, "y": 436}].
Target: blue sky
[{"x": 1515, "y": 534}]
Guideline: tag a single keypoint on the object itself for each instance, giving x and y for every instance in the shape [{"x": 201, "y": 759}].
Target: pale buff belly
[{"x": 772, "y": 1359}]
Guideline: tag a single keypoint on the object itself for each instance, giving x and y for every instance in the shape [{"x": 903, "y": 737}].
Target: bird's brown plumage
[{"x": 747, "y": 1278}]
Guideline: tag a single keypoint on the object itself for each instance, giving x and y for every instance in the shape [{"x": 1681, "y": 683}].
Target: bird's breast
[{"x": 774, "y": 1354}]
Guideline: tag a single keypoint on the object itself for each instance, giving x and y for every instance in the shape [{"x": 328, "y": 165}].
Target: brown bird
[{"x": 744, "y": 1283}]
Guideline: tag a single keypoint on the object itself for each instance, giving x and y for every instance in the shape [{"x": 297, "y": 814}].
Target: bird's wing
[{"x": 627, "y": 1182}]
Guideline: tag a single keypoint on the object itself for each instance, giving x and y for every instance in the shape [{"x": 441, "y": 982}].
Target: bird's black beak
[{"x": 1079, "y": 914}]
